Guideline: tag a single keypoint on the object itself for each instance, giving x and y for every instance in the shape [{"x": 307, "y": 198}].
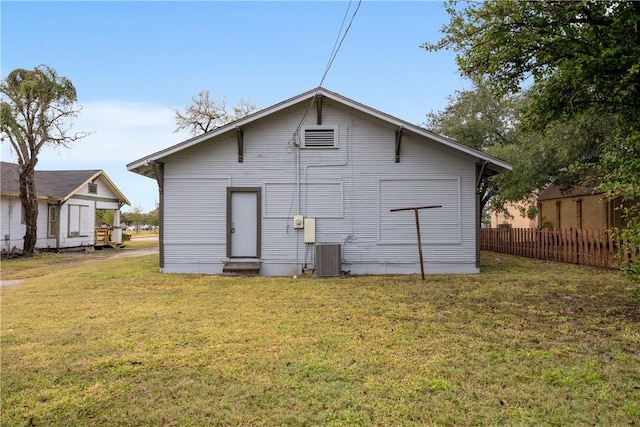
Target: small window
[
  {"x": 53, "y": 221},
  {"x": 579, "y": 213},
  {"x": 93, "y": 188},
  {"x": 320, "y": 137}
]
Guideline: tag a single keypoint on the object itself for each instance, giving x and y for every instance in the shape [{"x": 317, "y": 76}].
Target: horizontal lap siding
[
  {"x": 317, "y": 199},
  {"x": 267, "y": 156},
  {"x": 439, "y": 225},
  {"x": 195, "y": 219},
  {"x": 12, "y": 228},
  {"x": 371, "y": 162},
  {"x": 104, "y": 190},
  {"x": 340, "y": 187},
  {"x": 190, "y": 219}
]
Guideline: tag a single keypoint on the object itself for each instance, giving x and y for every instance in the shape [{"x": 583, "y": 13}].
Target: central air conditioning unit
[{"x": 328, "y": 260}]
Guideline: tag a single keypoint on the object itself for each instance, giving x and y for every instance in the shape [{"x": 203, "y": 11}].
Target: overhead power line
[
  {"x": 334, "y": 53},
  {"x": 337, "y": 45}
]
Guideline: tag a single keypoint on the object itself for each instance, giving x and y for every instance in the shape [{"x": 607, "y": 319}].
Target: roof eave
[
  {"x": 93, "y": 177},
  {"x": 45, "y": 198},
  {"x": 496, "y": 164},
  {"x": 142, "y": 166}
]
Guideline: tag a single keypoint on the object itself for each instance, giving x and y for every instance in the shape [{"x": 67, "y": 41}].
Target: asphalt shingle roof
[
  {"x": 52, "y": 184},
  {"x": 556, "y": 192}
]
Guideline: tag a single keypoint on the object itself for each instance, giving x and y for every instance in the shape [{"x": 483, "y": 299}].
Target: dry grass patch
[{"x": 117, "y": 343}]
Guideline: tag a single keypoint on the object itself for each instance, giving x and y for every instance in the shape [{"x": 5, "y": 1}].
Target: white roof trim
[
  {"x": 142, "y": 167},
  {"x": 102, "y": 174}
]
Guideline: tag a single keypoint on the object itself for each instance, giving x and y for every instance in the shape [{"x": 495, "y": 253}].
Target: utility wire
[{"x": 334, "y": 52}]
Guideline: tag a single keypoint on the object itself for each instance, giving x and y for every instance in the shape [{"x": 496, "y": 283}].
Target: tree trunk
[{"x": 29, "y": 200}]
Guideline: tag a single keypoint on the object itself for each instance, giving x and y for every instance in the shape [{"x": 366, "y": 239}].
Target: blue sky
[{"x": 134, "y": 63}]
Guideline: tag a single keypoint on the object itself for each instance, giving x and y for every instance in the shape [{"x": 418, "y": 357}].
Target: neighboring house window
[
  {"x": 93, "y": 188},
  {"x": 579, "y": 213},
  {"x": 78, "y": 223},
  {"x": 541, "y": 222},
  {"x": 320, "y": 137},
  {"x": 53, "y": 220},
  {"x": 615, "y": 214},
  {"x": 558, "y": 214}
]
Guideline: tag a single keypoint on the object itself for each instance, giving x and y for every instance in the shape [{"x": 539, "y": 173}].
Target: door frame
[{"x": 258, "y": 192}]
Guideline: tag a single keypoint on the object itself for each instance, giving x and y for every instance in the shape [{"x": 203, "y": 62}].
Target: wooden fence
[{"x": 597, "y": 248}]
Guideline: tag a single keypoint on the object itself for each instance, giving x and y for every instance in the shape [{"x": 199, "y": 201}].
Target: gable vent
[{"x": 320, "y": 138}]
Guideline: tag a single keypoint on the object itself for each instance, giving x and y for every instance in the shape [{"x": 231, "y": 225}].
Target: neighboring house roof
[
  {"x": 144, "y": 166},
  {"x": 54, "y": 185},
  {"x": 556, "y": 192}
]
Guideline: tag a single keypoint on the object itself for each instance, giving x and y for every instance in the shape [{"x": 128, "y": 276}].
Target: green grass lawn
[{"x": 117, "y": 343}]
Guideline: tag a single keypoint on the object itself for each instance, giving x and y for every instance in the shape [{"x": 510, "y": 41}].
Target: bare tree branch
[{"x": 205, "y": 114}]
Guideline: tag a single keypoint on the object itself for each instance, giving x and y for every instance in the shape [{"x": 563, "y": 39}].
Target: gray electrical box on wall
[{"x": 309, "y": 230}]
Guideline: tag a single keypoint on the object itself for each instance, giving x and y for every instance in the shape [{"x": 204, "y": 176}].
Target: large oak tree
[
  {"x": 37, "y": 109},
  {"x": 481, "y": 120},
  {"x": 579, "y": 63}
]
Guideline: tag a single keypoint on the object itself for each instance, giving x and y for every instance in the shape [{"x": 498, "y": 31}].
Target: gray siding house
[
  {"x": 67, "y": 204},
  {"x": 309, "y": 184}
]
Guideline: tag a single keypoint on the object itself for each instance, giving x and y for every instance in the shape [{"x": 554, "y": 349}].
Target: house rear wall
[{"x": 349, "y": 190}]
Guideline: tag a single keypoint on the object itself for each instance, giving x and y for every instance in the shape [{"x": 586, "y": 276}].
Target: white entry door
[{"x": 244, "y": 223}]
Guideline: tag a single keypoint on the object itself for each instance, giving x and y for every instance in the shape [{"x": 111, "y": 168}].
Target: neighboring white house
[
  {"x": 67, "y": 204},
  {"x": 309, "y": 184}
]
